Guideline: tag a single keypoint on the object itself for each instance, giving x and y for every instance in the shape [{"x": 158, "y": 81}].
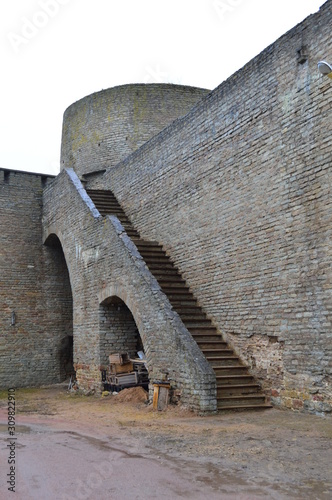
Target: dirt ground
[{"x": 71, "y": 446}]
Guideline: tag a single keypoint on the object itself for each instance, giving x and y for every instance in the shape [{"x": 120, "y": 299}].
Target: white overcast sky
[{"x": 54, "y": 52}]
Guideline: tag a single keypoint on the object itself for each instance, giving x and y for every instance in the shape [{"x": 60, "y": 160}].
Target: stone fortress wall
[
  {"x": 107, "y": 126},
  {"x": 238, "y": 191},
  {"x": 36, "y": 321}
]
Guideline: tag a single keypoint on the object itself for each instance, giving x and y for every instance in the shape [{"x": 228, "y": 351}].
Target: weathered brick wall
[
  {"x": 118, "y": 330},
  {"x": 33, "y": 284},
  {"x": 109, "y": 125},
  {"x": 239, "y": 193},
  {"x": 104, "y": 264}
]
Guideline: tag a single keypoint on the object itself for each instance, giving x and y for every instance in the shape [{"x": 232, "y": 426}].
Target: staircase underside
[{"x": 236, "y": 388}]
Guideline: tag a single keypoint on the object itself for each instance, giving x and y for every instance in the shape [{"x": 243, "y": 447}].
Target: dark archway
[
  {"x": 60, "y": 293},
  {"x": 118, "y": 330}
]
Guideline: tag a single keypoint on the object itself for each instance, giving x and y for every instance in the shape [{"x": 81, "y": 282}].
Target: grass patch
[{"x": 3, "y": 395}]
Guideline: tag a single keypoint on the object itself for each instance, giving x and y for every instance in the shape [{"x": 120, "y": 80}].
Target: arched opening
[
  {"x": 119, "y": 334},
  {"x": 60, "y": 295}
]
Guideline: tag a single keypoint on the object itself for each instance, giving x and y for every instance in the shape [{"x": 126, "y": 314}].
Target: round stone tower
[{"x": 105, "y": 127}]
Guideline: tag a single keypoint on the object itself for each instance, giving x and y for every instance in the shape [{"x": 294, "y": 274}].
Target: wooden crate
[
  {"x": 123, "y": 379},
  {"x": 116, "y": 368},
  {"x": 120, "y": 358}
]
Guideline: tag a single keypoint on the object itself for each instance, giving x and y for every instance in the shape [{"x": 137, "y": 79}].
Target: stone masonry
[
  {"x": 103, "y": 263},
  {"x": 107, "y": 126},
  {"x": 239, "y": 193},
  {"x": 35, "y": 293},
  {"x": 236, "y": 186},
  {"x": 118, "y": 331}
]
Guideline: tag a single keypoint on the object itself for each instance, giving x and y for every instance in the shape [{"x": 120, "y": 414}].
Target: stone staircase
[{"x": 236, "y": 388}]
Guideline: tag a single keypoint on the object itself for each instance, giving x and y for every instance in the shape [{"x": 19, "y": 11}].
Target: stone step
[
  {"x": 171, "y": 280},
  {"x": 175, "y": 303},
  {"x": 212, "y": 353},
  {"x": 211, "y": 344},
  {"x": 206, "y": 337},
  {"x": 187, "y": 311},
  {"x": 104, "y": 200},
  {"x": 149, "y": 250},
  {"x": 148, "y": 245},
  {"x": 233, "y": 369},
  {"x": 233, "y": 390},
  {"x": 216, "y": 357},
  {"x": 240, "y": 400},
  {"x": 224, "y": 362},
  {"x": 177, "y": 291},
  {"x": 105, "y": 212},
  {"x": 129, "y": 233},
  {"x": 129, "y": 228},
  {"x": 111, "y": 204},
  {"x": 243, "y": 407},
  {"x": 102, "y": 195},
  {"x": 202, "y": 332},
  {"x": 197, "y": 317},
  {"x": 111, "y": 208},
  {"x": 153, "y": 258},
  {"x": 205, "y": 345},
  {"x": 168, "y": 272},
  {"x": 124, "y": 222},
  {"x": 101, "y": 192},
  {"x": 161, "y": 266},
  {"x": 175, "y": 288},
  {"x": 189, "y": 302},
  {"x": 153, "y": 255},
  {"x": 193, "y": 324},
  {"x": 236, "y": 388},
  {"x": 224, "y": 380}
]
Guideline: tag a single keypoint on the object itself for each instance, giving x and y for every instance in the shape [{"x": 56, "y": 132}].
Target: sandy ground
[{"x": 76, "y": 447}]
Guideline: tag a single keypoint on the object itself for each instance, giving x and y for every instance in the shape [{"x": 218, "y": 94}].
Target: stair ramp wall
[{"x": 103, "y": 261}]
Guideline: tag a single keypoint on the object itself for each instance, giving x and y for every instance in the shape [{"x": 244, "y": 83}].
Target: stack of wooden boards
[{"x": 125, "y": 372}]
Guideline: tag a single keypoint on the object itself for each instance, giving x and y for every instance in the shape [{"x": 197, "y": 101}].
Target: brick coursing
[
  {"x": 118, "y": 330},
  {"x": 107, "y": 126},
  {"x": 104, "y": 264},
  {"x": 34, "y": 285},
  {"x": 239, "y": 193}
]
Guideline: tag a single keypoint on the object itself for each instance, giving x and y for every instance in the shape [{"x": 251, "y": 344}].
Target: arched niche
[
  {"x": 60, "y": 293},
  {"x": 118, "y": 330}
]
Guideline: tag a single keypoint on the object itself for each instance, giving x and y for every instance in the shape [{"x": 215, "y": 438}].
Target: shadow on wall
[
  {"x": 118, "y": 330},
  {"x": 62, "y": 293}
]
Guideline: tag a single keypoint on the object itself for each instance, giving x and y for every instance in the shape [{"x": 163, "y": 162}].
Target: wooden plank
[
  {"x": 120, "y": 358},
  {"x": 155, "y": 397},
  {"x": 163, "y": 398},
  {"x": 160, "y": 395},
  {"x": 116, "y": 368}
]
